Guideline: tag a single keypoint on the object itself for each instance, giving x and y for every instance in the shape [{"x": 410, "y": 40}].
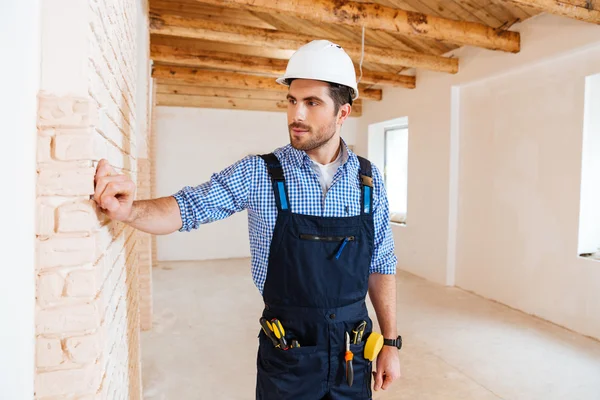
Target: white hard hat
[{"x": 322, "y": 60}]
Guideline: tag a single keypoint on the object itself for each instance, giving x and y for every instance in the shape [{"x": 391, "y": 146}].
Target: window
[
  {"x": 396, "y": 170},
  {"x": 589, "y": 211},
  {"x": 388, "y": 149}
]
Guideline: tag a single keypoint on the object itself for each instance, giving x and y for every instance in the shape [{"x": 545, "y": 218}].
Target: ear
[{"x": 343, "y": 113}]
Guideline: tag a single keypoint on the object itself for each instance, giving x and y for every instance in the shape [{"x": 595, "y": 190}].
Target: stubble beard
[{"x": 324, "y": 134}]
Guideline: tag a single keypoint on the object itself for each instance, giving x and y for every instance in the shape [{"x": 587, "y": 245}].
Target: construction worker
[{"x": 319, "y": 235}]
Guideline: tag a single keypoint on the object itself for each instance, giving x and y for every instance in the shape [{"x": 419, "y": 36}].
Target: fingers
[
  {"x": 104, "y": 169},
  {"x": 101, "y": 184},
  {"x": 378, "y": 379},
  {"x": 387, "y": 381},
  {"x": 108, "y": 199}
]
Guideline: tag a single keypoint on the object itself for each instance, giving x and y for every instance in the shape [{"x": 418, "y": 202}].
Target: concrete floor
[{"x": 457, "y": 345}]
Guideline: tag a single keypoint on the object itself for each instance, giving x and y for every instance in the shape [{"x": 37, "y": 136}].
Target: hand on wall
[{"x": 114, "y": 193}]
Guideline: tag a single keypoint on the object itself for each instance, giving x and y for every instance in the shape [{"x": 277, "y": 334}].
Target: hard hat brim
[{"x": 283, "y": 80}]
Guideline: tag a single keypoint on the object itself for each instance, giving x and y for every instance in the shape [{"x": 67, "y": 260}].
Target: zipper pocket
[
  {"x": 343, "y": 239},
  {"x": 318, "y": 238}
]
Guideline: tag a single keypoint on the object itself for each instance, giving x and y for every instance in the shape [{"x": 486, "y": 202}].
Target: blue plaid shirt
[{"x": 246, "y": 185}]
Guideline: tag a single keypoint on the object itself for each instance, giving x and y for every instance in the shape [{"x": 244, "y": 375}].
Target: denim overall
[{"x": 316, "y": 285}]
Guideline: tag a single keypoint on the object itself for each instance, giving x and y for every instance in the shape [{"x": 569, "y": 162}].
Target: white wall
[
  {"x": 19, "y": 80},
  {"x": 191, "y": 144},
  {"x": 516, "y": 233}
]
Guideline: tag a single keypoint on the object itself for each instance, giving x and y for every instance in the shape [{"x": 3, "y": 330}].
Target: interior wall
[
  {"x": 19, "y": 40},
  {"x": 191, "y": 144},
  {"x": 518, "y": 203}
]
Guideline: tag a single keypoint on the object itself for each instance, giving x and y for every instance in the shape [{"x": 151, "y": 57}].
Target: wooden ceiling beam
[
  {"x": 172, "y": 25},
  {"x": 244, "y": 63},
  {"x": 207, "y": 91},
  {"x": 230, "y": 103},
  {"x": 378, "y": 17},
  {"x": 193, "y": 76},
  {"x": 581, "y": 10}
]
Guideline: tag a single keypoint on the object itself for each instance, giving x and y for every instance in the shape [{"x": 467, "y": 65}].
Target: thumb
[{"x": 378, "y": 379}]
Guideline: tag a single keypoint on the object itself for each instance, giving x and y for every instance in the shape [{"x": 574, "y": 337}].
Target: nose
[{"x": 299, "y": 113}]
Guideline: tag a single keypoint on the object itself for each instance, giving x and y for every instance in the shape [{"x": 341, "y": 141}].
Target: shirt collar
[{"x": 299, "y": 157}]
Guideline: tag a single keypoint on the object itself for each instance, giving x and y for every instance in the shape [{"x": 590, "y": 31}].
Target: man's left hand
[{"x": 388, "y": 368}]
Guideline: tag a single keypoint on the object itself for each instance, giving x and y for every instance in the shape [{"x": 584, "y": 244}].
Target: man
[{"x": 319, "y": 234}]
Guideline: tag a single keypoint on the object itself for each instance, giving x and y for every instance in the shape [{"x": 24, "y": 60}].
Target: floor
[{"x": 456, "y": 345}]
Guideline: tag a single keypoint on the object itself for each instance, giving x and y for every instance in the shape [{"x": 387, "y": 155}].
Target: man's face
[{"x": 311, "y": 118}]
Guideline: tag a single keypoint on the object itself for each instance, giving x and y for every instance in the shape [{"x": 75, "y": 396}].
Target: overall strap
[
  {"x": 279, "y": 188},
  {"x": 366, "y": 180}
]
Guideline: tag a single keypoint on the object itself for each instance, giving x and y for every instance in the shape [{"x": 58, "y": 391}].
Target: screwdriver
[
  {"x": 268, "y": 331},
  {"x": 349, "y": 357},
  {"x": 279, "y": 333}
]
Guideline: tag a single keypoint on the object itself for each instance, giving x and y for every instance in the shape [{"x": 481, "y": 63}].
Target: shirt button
[{"x": 332, "y": 316}]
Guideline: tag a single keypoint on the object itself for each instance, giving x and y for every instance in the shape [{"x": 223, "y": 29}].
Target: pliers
[{"x": 349, "y": 357}]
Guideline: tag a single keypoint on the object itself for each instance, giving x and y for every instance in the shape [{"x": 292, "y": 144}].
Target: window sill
[
  {"x": 590, "y": 256},
  {"x": 398, "y": 223}
]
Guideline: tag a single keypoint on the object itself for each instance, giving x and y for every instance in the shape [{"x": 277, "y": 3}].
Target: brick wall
[{"x": 87, "y": 279}]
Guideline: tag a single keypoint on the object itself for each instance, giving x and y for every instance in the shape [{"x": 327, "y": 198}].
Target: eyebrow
[{"x": 313, "y": 98}]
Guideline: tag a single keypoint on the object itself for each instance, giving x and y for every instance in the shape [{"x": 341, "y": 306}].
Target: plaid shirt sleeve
[
  {"x": 226, "y": 193},
  {"x": 384, "y": 258}
]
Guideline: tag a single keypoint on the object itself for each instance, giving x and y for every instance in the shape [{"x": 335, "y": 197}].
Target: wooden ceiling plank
[
  {"x": 257, "y": 23},
  {"x": 574, "y": 9},
  {"x": 208, "y": 30},
  {"x": 375, "y": 16},
  {"x": 178, "y": 100},
  {"x": 198, "y": 8},
  {"x": 217, "y": 60},
  {"x": 206, "y": 91},
  {"x": 243, "y": 63},
  {"x": 183, "y": 100},
  {"x": 194, "y": 76},
  {"x": 480, "y": 11},
  {"x": 206, "y": 45}
]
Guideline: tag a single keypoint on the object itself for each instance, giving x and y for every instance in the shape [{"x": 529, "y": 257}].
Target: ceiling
[{"x": 225, "y": 53}]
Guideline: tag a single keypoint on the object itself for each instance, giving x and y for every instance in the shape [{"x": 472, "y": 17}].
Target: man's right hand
[{"x": 114, "y": 193}]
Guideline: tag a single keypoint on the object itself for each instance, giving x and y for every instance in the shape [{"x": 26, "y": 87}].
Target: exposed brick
[
  {"x": 81, "y": 216},
  {"x": 45, "y": 218},
  {"x": 46, "y": 132},
  {"x": 66, "y": 182},
  {"x": 68, "y": 382},
  {"x": 65, "y": 252},
  {"x": 82, "y": 283},
  {"x": 65, "y": 112},
  {"x": 49, "y": 288},
  {"x": 82, "y": 144},
  {"x": 83, "y": 349},
  {"x": 44, "y": 148},
  {"x": 48, "y": 353},
  {"x": 66, "y": 319}
]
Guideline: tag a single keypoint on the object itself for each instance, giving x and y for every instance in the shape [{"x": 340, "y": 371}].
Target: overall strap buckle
[{"x": 366, "y": 180}]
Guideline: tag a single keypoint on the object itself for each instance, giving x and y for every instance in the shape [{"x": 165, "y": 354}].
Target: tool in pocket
[
  {"x": 349, "y": 357},
  {"x": 343, "y": 240},
  {"x": 276, "y": 333},
  {"x": 358, "y": 332}
]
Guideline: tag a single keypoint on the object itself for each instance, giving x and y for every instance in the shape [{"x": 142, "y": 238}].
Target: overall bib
[{"x": 316, "y": 285}]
